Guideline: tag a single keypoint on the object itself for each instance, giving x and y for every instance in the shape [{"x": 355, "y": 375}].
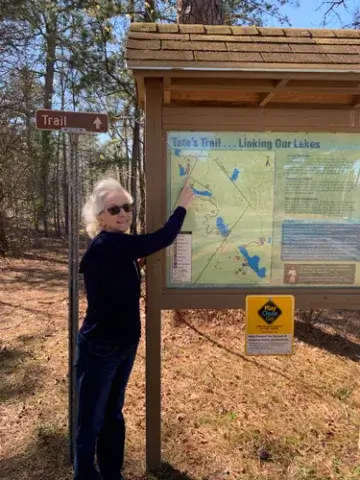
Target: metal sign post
[
  {"x": 73, "y": 123},
  {"x": 73, "y": 262}
]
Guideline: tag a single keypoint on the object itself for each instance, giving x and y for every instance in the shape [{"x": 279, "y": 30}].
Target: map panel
[
  {"x": 231, "y": 219},
  {"x": 271, "y": 209}
]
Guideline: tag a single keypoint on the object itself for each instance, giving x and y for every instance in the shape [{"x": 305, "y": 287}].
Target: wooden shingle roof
[{"x": 198, "y": 47}]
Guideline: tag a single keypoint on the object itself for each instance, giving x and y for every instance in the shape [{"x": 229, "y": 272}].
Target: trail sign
[{"x": 73, "y": 122}]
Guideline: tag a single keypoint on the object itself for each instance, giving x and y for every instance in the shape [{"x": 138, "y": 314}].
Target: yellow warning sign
[{"x": 269, "y": 328}]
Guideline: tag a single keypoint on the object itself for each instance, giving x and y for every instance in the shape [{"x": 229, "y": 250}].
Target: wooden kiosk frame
[{"x": 221, "y": 78}]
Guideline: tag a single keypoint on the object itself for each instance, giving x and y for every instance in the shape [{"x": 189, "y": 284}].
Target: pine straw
[{"x": 219, "y": 406}]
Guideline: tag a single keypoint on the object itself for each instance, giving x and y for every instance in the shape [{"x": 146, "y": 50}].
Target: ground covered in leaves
[{"x": 225, "y": 416}]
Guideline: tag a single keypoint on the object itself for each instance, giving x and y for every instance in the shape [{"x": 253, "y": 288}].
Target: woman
[{"x": 109, "y": 336}]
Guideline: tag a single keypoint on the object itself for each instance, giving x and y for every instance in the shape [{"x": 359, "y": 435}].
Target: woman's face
[{"x": 111, "y": 219}]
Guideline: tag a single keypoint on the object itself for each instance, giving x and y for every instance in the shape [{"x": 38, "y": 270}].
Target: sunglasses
[{"x": 116, "y": 209}]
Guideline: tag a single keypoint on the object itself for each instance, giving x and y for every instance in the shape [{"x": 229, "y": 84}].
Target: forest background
[{"x": 69, "y": 55}]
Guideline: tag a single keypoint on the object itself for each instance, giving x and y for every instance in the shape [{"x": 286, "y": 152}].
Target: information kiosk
[{"x": 265, "y": 122}]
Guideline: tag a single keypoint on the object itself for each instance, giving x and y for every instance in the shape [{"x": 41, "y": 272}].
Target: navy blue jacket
[{"x": 112, "y": 280}]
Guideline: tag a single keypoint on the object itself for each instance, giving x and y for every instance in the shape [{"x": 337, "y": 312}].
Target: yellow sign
[{"x": 269, "y": 328}]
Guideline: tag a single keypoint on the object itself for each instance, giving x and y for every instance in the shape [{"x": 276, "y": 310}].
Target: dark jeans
[{"x": 102, "y": 374}]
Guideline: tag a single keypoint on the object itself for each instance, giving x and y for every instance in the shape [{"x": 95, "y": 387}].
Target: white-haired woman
[{"x": 110, "y": 333}]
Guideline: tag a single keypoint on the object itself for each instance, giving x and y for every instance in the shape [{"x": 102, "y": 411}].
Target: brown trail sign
[{"x": 68, "y": 121}]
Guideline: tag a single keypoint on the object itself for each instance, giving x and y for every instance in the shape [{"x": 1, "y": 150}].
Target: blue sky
[{"x": 311, "y": 13}]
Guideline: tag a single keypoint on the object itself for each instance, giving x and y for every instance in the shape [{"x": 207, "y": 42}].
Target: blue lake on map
[
  {"x": 182, "y": 171},
  {"x": 204, "y": 193},
  {"x": 235, "y": 174},
  {"x": 223, "y": 229},
  {"x": 253, "y": 262}
]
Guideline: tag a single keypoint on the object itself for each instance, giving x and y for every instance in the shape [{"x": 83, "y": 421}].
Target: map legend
[{"x": 182, "y": 258}]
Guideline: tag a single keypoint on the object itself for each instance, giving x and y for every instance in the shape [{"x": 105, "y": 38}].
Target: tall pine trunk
[
  {"x": 150, "y": 11},
  {"x": 50, "y": 47},
  {"x": 63, "y": 183},
  {"x": 125, "y": 157},
  {"x": 56, "y": 199},
  {"x": 28, "y": 83},
  {"x": 203, "y": 12},
  {"x": 3, "y": 236}
]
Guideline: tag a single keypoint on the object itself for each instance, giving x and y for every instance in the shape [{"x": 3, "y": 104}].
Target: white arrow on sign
[{"x": 97, "y": 122}]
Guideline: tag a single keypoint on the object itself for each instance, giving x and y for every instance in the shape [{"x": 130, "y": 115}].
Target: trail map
[
  {"x": 270, "y": 209},
  {"x": 232, "y": 216}
]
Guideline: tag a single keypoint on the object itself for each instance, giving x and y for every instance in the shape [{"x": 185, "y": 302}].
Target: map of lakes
[{"x": 231, "y": 219}]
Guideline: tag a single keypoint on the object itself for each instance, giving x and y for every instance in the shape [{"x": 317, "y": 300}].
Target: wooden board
[
  {"x": 218, "y": 96},
  {"x": 280, "y": 119},
  {"x": 316, "y": 98},
  {"x": 235, "y": 299},
  {"x": 155, "y": 210}
]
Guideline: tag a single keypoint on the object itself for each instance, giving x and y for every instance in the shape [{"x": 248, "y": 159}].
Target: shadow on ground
[
  {"x": 31, "y": 310},
  {"x": 334, "y": 344},
  {"x": 166, "y": 472},
  {"x": 46, "y": 459},
  {"x": 46, "y": 278},
  {"x": 18, "y": 376},
  {"x": 344, "y": 322},
  {"x": 40, "y": 258}
]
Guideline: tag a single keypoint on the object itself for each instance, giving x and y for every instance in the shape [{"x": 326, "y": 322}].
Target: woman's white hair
[{"x": 96, "y": 203}]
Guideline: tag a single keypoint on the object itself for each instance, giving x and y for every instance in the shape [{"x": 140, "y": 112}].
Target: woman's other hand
[{"x": 187, "y": 195}]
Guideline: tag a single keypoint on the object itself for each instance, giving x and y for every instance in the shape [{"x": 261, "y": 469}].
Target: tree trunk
[
  {"x": 3, "y": 237},
  {"x": 57, "y": 189},
  {"x": 28, "y": 83},
  {"x": 65, "y": 185},
  {"x": 150, "y": 11},
  {"x": 125, "y": 163},
  {"x": 63, "y": 213},
  {"x": 203, "y": 12},
  {"x": 46, "y": 136}
]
